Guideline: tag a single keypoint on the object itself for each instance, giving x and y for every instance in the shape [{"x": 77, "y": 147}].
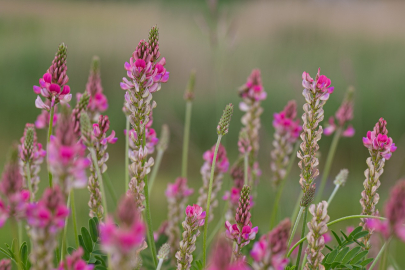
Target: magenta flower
[
  {"x": 242, "y": 237},
  {"x": 320, "y": 86},
  {"x": 196, "y": 212},
  {"x": 5, "y": 264},
  {"x": 285, "y": 124},
  {"x": 178, "y": 189},
  {"x": 151, "y": 139},
  {"x": 75, "y": 262},
  {"x": 222, "y": 162},
  {"x": 253, "y": 88},
  {"x": 221, "y": 256},
  {"x": 380, "y": 142}
]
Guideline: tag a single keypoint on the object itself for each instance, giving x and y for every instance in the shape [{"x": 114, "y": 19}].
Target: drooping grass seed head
[{"x": 223, "y": 124}]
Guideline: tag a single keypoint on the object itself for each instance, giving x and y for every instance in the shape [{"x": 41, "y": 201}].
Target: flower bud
[{"x": 223, "y": 124}]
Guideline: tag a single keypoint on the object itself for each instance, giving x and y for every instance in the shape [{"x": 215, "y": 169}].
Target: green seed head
[{"x": 223, "y": 124}]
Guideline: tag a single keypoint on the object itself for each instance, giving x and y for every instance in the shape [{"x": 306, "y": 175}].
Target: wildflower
[
  {"x": 317, "y": 229},
  {"x": 46, "y": 219},
  {"x": 5, "y": 264},
  {"x": 53, "y": 85},
  {"x": 233, "y": 195},
  {"x": 31, "y": 156},
  {"x": 66, "y": 156},
  {"x": 164, "y": 251},
  {"x": 252, "y": 94},
  {"x": 11, "y": 188},
  {"x": 269, "y": 251},
  {"x": 98, "y": 141},
  {"x": 287, "y": 131},
  {"x": 195, "y": 217},
  {"x": 343, "y": 115},
  {"x": 83, "y": 101},
  {"x": 316, "y": 93},
  {"x": 221, "y": 167},
  {"x": 177, "y": 195},
  {"x": 380, "y": 147},
  {"x": 221, "y": 256},
  {"x": 43, "y": 118},
  {"x": 75, "y": 262},
  {"x": 241, "y": 232},
  {"x": 151, "y": 140},
  {"x": 223, "y": 124},
  {"x": 146, "y": 73},
  {"x": 123, "y": 243}
]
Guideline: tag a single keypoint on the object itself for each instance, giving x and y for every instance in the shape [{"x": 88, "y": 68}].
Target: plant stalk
[
  {"x": 186, "y": 139},
  {"x": 155, "y": 169},
  {"x": 304, "y": 223},
  {"x": 74, "y": 216},
  {"x": 382, "y": 250},
  {"x": 295, "y": 225},
  {"x": 333, "y": 194},
  {"x": 64, "y": 233},
  {"x": 100, "y": 179},
  {"x": 16, "y": 248},
  {"x": 110, "y": 188},
  {"x": 246, "y": 169},
  {"x": 52, "y": 111},
  {"x": 207, "y": 214},
  {"x": 159, "y": 264},
  {"x": 29, "y": 184}
]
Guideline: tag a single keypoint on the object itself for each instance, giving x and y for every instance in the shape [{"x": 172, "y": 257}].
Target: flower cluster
[
  {"x": 252, "y": 93},
  {"x": 98, "y": 101},
  {"x": 241, "y": 232},
  {"x": 380, "y": 147},
  {"x": 316, "y": 93},
  {"x": 125, "y": 242},
  {"x": 177, "y": 195},
  {"x": 221, "y": 167},
  {"x": 343, "y": 115},
  {"x": 195, "y": 218},
  {"x": 67, "y": 162},
  {"x": 53, "y": 84},
  {"x": 11, "y": 189},
  {"x": 31, "y": 157},
  {"x": 75, "y": 262},
  {"x": 221, "y": 256},
  {"x": 145, "y": 73},
  {"x": 269, "y": 251},
  {"x": 99, "y": 142},
  {"x": 317, "y": 229},
  {"x": 287, "y": 130},
  {"x": 44, "y": 117},
  {"x": 46, "y": 218},
  {"x": 151, "y": 139},
  {"x": 82, "y": 102}
]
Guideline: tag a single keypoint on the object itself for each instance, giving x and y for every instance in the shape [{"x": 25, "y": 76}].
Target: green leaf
[
  {"x": 100, "y": 267},
  {"x": 342, "y": 254},
  {"x": 101, "y": 260},
  {"x": 348, "y": 266},
  {"x": 360, "y": 235},
  {"x": 5, "y": 252},
  {"x": 24, "y": 253},
  {"x": 87, "y": 239},
  {"x": 344, "y": 235},
  {"x": 355, "y": 231},
  {"x": 358, "y": 257},
  {"x": 86, "y": 253},
  {"x": 70, "y": 250},
  {"x": 366, "y": 261},
  {"x": 351, "y": 254},
  {"x": 93, "y": 230},
  {"x": 332, "y": 256},
  {"x": 337, "y": 238}
]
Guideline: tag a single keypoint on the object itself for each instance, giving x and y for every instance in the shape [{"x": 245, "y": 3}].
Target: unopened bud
[{"x": 223, "y": 124}]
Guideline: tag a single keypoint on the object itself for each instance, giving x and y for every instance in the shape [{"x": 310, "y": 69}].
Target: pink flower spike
[
  {"x": 112, "y": 139},
  {"x": 37, "y": 89},
  {"x": 47, "y": 77},
  {"x": 349, "y": 132},
  {"x": 54, "y": 88},
  {"x": 66, "y": 90}
]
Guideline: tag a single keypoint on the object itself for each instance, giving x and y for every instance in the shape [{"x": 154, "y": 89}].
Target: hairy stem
[
  {"x": 186, "y": 139},
  {"x": 126, "y": 155},
  {"x": 328, "y": 163},
  {"x": 52, "y": 111},
  {"x": 155, "y": 169},
  {"x": 159, "y": 264},
  {"x": 209, "y": 201},
  {"x": 295, "y": 226},
  {"x": 304, "y": 223},
  {"x": 281, "y": 187}
]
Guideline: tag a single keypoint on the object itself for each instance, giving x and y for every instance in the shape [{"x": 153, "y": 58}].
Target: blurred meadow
[{"x": 358, "y": 43}]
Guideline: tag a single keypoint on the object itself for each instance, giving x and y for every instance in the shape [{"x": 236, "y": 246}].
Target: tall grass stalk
[{"x": 186, "y": 138}]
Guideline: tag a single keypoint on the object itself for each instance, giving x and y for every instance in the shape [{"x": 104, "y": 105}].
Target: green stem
[
  {"x": 219, "y": 225},
  {"x": 393, "y": 262},
  {"x": 155, "y": 169},
  {"x": 64, "y": 233},
  {"x": 186, "y": 138},
  {"x": 246, "y": 168},
  {"x": 126, "y": 156},
  {"x": 16, "y": 248},
  {"x": 100, "y": 179},
  {"x": 295, "y": 225},
  {"x": 110, "y": 188},
  {"x": 214, "y": 160},
  {"x": 328, "y": 163},
  {"x": 304, "y": 261},
  {"x": 281, "y": 187},
  {"x": 380, "y": 253},
  {"x": 297, "y": 206},
  {"x": 304, "y": 223},
  {"x": 52, "y": 110},
  {"x": 29, "y": 184},
  {"x": 333, "y": 194},
  {"x": 74, "y": 216},
  {"x": 148, "y": 217},
  {"x": 329, "y": 224},
  {"x": 160, "y": 264}
]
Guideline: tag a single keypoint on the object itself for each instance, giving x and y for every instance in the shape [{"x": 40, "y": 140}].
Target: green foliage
[
  {"x": 197, "y": 265},
  {"x": 345, "y": 257},
  {"x": 9, "y": 252}
]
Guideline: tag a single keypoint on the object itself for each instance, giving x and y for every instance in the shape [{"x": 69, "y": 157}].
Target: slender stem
[
  {"x": 304, "y": 261},
  {"x": 295, "y": 225},
  {"x": 380, "y": 253},
  {"x": 281, "y": 187},
  {"x": 16, "y": 247},
  {"x": 20, "y": 231},
  {"x": 246, "y": 168},
  {"x": 297, "y": 206},
  {"x": 74, "y": 216},
  {"x": 110, "y": 188},
  {"x": 329, "y": 224},
  {"x": 333, "y": 194},
  {"x": 393, "y": 262},
  {"x": 160, "y": 264},
  {"x": 214, "y": 160},
  {"x": 148, "y": 217},
  {"x": 219, "y": 225},
  {"x": 100, "y": 179},
  {"x": 52, "y": 111},
  {"x": 186, "y": 138},
  {"x": 304, "y": 223},
  {"x": 383, "y": 261},
  {"x": 29, "y": 184},
  {"x": 64, "y": 233},
  {"x": 328, "y": 163},
  {"x": 126, "y": 156},
  {"x": 155, "y": 169}
]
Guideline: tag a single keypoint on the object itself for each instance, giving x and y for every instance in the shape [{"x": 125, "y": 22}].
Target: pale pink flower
[
  {"x": 75, "y": 262},
  {"x": 253, "y": 88},
  {"x": 43, "y": 118}
]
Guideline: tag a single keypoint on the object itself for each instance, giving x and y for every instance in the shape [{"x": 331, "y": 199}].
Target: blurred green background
[{"x": 359, "y": 43}]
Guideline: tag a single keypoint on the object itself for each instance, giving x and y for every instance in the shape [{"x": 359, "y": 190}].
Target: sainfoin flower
[
  {"x": 46, "y": 219},
  {"x": 233, "y": 195},
  {"x": 195, "y": 217},
  {"x": 269, "y": 251},
  {"x": 395, "y": 212},
  {"x": 123, "y": 243},
  {"x": 287, "y": 131},
  {"x": 5, "y": 264},
  {"x": 53, "y": 84},
  {"x": 221, "y": 167},
  {"x": 75, "y": 262},
  {"x": 177, "y": 195},
  {"x": 43, "y": 118},
  {"x": 67, "y": 162},
  {"x": 221, "y": 255},
  {"x": 380, "y": 147}
]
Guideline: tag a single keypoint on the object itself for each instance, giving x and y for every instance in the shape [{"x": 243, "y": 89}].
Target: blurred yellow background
[{"x": 359, "y": 43}]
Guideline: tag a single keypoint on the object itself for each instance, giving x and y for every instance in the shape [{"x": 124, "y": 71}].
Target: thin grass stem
[
  {"x": 186, "y": 139},
  {"x": 52, "y": 111}
]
